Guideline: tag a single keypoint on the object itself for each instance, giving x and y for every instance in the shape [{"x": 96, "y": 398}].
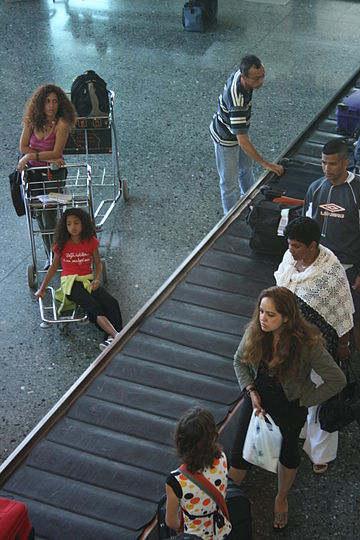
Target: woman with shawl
[{"x": 314, "y": 274}]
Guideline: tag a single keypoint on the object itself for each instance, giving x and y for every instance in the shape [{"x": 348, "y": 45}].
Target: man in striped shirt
[{"x": 229, "y": 128}]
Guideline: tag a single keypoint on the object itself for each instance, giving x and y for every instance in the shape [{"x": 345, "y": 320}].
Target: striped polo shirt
[{"x": 234, "y": 112}]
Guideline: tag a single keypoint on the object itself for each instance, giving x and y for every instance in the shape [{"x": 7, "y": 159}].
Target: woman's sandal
[
  {"x": 320, "y": 468},
  {"x": 280, "y": 521}
]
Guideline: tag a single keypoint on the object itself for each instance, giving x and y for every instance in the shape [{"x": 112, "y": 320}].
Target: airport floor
[{"x": 166, "y": 84}]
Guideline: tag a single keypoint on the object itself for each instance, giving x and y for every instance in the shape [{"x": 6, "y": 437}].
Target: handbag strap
[{"x": 202, "y": 482}]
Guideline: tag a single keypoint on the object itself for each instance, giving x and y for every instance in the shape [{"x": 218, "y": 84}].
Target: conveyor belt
[{"x": 95, "y": 467}]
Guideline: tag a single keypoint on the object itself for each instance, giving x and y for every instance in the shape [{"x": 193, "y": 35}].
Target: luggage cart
[
  {"x": 96, "y": 136},
  {"x": 45, "y": 195}
]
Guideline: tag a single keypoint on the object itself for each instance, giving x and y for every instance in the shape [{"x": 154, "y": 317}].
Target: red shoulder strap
[{"x": 201, "y": 481}]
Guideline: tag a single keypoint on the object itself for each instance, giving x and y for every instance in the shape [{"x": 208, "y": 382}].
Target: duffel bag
[{"x": 268, "y": 220}]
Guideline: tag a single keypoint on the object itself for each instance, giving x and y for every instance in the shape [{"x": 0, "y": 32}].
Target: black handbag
[
  {"x": 339, "y": 411},
  {"x": 16, "y": 192}
]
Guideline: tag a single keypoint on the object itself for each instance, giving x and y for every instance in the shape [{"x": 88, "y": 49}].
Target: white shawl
[{"x": 323, "y": 286}]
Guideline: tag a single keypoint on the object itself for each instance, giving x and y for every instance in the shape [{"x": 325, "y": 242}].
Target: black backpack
[{"x": 89, "y": 95}]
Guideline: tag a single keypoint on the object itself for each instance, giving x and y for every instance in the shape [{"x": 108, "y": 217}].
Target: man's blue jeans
[{"x": 235, "y": 171}]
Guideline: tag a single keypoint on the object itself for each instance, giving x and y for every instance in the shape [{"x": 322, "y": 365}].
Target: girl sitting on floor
[{"x": 76, "y": 247}]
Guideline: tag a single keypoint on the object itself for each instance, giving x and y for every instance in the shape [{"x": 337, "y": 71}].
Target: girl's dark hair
[
  {"x": 61, "y": 234},
  {"x": 35, "y": 107},
  {"x": 195, "y": 439},
  {"x": 296, "y": 334}
]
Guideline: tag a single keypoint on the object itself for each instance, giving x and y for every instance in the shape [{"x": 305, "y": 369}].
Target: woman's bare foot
[
  {"x": 320, "y": 468},
  {"x": 281, "y": 509}
]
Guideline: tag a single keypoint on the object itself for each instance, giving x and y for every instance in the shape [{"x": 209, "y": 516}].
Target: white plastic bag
[{"x": 263, "y": 442}]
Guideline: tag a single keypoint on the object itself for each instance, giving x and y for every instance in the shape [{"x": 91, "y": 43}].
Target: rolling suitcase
[
  {"x": 14, "y": 521},
  {"x": 348, "y": 114},
  {"x": 199, "y": 15},
  {"x": 240, "y": 513}
]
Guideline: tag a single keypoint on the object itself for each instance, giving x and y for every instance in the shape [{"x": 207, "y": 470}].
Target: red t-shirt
[{"x": 77, "y": 258}]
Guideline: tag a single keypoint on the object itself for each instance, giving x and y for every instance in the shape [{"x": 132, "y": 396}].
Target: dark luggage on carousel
[
  {"x": 240, "y": 513},
  {"x": 348, "y": 114},
  {"x": 14, "y": 521},
  {"x": 357, "y": 154},
  {"x": 198, "y": 15},
  {"x": 268, "y": 220}
]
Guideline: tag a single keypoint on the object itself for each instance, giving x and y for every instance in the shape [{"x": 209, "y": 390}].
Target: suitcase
[
  {"x": 14, "y": 521},
  {"x": 198, "y": 15},
  {"x": 240, "y": 513},
  {"x": 348, "y": 114}
]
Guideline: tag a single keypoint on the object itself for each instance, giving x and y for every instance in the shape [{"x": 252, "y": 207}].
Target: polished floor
[{"x": 166, "y": 83}]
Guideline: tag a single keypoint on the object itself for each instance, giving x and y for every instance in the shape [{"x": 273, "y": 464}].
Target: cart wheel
[
  {"x": 104, "y": 271},
  {"x": 125, "y": 190},
  {"x": 45, "y": 325},
  {"x": 31, "y": 276}
]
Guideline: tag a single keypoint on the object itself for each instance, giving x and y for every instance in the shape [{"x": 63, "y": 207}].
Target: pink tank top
[{"x": 42, "y": 145}]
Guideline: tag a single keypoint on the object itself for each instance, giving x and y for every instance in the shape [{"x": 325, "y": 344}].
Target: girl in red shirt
[{"x": 76, "y": 247}]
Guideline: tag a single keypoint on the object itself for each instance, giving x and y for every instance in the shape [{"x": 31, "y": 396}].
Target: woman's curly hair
[
  {"x": 35, "y": 107},
  {"x": 195, "y": 439},
  {"x": 61, "y": 234}
]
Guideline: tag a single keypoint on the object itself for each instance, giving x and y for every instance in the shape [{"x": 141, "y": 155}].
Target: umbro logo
[{"x": 332, "y": 207}]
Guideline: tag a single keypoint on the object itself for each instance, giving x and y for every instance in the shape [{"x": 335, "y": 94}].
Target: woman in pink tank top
[{"x": 48, "y": 118}]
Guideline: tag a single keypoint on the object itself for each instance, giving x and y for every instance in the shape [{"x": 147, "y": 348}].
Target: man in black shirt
[{"x": 334, "y": 202}]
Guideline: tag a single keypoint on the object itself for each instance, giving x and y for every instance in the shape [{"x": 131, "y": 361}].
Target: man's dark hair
[
  {"x": 336, "y": 146},
  {"x": 249, "y": 61},
  {"x": 304, "y": 230}
]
